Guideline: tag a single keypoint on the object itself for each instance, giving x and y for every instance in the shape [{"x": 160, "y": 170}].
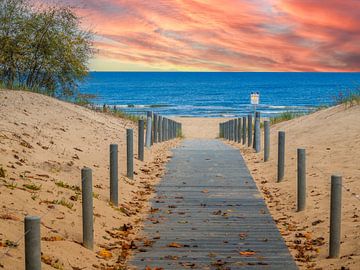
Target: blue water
[{"x": 216, "y": 94}]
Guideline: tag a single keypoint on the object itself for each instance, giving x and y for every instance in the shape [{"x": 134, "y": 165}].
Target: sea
[{"x": 218, "y": 94}]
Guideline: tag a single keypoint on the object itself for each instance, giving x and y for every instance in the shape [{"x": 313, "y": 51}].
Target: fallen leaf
[
  {"x": 247, "y": 253},
  {"x": 105, "y": 254},
  {"x": 52, "y": 238},
  {"x": 175, "y": 245}
]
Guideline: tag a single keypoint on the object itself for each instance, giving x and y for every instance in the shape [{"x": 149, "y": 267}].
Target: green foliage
[
  {"x": 119, "y": 113},
  {"x": 42, "y": 49},
  {"x": 285, "y": 116},
  {"x": 10, "y": 185},
  {"x": 32, "y": 186},
  {"x": 84, "y": 99},
  {"x": 349, "y": 99},
  {"x": 66, "y": 185},
  {"x": 62, "y": 202}
]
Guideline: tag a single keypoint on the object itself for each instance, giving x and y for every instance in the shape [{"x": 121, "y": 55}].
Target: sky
[{"x": 223, "y": 35}]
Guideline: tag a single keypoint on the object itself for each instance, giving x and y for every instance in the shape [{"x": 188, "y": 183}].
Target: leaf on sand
[
  {"x": 306, "y": 235},
  {"x": 247, "y": 253},
  {"x": 9, "y": 217},
  {"x": 105, "y": 254},
  {"x": 175, "y": 245},
  {"x": 52, "y": 238}
]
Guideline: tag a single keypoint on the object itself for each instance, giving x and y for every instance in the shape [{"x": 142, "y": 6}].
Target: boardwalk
[{"x": 209, "y": 214}]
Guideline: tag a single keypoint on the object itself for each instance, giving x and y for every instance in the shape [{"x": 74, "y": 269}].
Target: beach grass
[
  {"x": 349, "y": 99},
  {"x": 132, "y": 117},
  {"x": 285, "y": 116}
]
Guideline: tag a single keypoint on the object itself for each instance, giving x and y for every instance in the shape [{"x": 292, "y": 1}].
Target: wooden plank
[{"x": 208, "y": 203}]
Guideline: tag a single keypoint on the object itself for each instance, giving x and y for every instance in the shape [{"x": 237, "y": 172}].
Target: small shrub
[
  {"x": 66, "y": 185},
  {"x": 11, "y": 185},
  {"x": 32, "y": 186},
  {"x": 63, "y": 202}
]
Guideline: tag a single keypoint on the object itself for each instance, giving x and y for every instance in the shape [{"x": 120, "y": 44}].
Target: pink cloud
[{"x": 233, "y": 35}]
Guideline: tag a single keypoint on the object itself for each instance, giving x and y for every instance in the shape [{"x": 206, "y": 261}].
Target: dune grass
[
  {"x": 285, "y": 116},
  {"x": 349, "y": 99}
]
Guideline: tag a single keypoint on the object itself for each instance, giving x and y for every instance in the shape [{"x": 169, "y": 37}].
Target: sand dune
[{"x": 44, "y": 143}]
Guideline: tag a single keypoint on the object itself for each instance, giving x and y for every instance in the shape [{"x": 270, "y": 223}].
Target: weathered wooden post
[
  {"x": 227, "y": 130},
  {"x": 239, "y": 130},
  {"x": 335, "y": 216},
  {"x": 148, "y": 129},
  {"x": 233, "y": 129},
  {"x": 236, "y": 126},
  {"x": 32, "y": 243},
  {"x": 141, "y": 140},
  {"x": 155, "y": 128},
  {"x": 171, "y": 129},
  {"x": 163, "y": 129},
  {"x": 87, "y": 208},
  {"x": 114, "y": 174},
  {"x": 160, "y": 128},
  {"x": 266, "y": 140},
  {"x": 281, "y": 156},
  {"x": 301, "y": 180},
  {"x": 230, "y": 130},
  {"x": 129, "y": 154},
  {"x": 250, "y": 132},
  {"x": 257, "y": 133},
  {"x": 166, "y": 129},
  {"x": 244, "y": 130}
]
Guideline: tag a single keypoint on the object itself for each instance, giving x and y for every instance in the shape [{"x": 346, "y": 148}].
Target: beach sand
[
  {"x": 204, "y": 128},
  {"x": 44, "y": 143},
  {"x": 331, "y": 138}
]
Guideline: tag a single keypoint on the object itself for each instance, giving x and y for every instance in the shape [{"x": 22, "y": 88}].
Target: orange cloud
[{"x": 227, "y": 35}]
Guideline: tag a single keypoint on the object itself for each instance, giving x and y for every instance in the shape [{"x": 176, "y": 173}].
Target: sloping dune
[{"x": 44, "y": 143}]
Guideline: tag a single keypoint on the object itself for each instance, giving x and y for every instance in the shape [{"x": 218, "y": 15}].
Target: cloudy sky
[{"x": 224, "y": 35}]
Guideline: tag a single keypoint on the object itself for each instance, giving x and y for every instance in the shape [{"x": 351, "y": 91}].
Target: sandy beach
[
  {"x": 331, "y": 138},
  {"x": 44, "y": 143}
]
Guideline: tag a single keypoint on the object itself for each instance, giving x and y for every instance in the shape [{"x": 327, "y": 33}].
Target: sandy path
[{"x": 200, "y": 128}]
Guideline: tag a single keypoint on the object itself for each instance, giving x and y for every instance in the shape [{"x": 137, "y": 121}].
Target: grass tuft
[
  {"x": 349, "y": 99},
  {"x": 66, "y": 185},
  {"x": 32, "y": 186},
  {"x": 285, "y": 116},
  {"x": 10, "y": 185},
  {"x": 63, "y": 202}
]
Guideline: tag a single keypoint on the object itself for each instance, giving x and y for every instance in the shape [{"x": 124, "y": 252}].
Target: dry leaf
[
  {"x": 52, "y": 238},
  {"x": 247, "y": 253},
  {"x": 105, "y": 254},
  {"x": 175, "y": 245}
]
